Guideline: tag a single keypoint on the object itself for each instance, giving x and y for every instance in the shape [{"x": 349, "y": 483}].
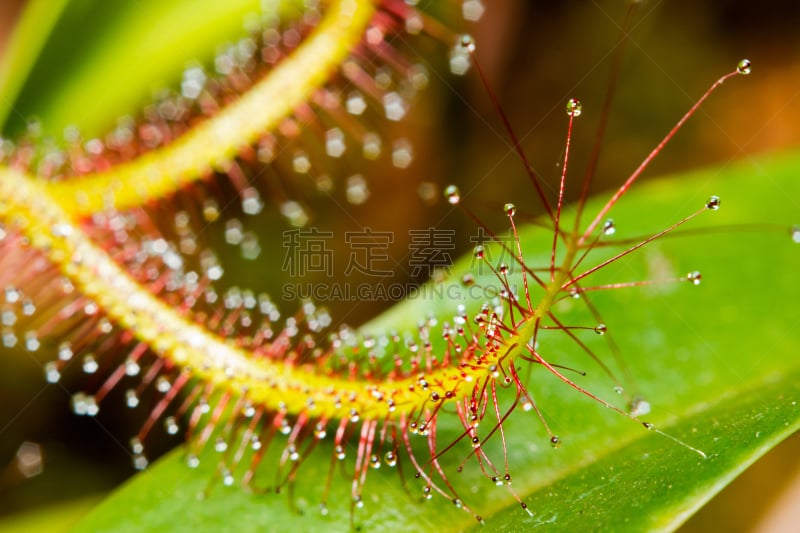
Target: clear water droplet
[
  {"x": 294, "y": 455},
  {"x": 9, "y": 339},
  {"x": 192, "y": 461},
  {"x": 140, "y": 462},
  {"x": 171, "y": 425},
  {"x": 51, "y": 373},
  {"x": 555, "y": 442},
  {"x": 357, "y": 189},
  {"x": 371, "y": 146},
  {"x": 510, "y": 209},
  {"x": 390, "y": 458},
  {"x": 8, "y": 318},
  {"x": 334, "y": 142},
  {"x": 479, "y": 252},
  {"x": 609, "y": 228},
  {"x": 639, "y": 407},
  {"x": 355, "y": 103},
  {"x": 163, "y": 385},
  {"x": 27, "y": 307},
  {"x": 395, "y": 107},
  {"x": 210, "y": 210},
  {"x": 795, "y": 233},
  {"x": 90, "y": 365},
  {"x": 294, "y": 213},
  {"x": 301, "y": 163},
  {"x": 713, "y": 203},
  {"x": 251, "y": 201},
  {"x": 402, "y": 153},
  {"x": 136, "y": 446},
  {"x": 31, "y": 341},
  {"x": 600, "y": 329},
  {"x": 375, "y": 462},
  {"x": 459, "y": 59},
  {"x": 452, "y": 194},
  {"x": 132, "y": 368},
  {"x": 472, "y": 10},
  {"x": 574, "y": 107},
  {"x": 468, "y": 280},
  {"x": 744, "y": 67},
  {"x": 12, "y": 294},
  {"x": 467, "y": 43},
  {"x": 694, "y": 277},
  {"x": 131, "y": 398},
  {"x": 64, "y": 351},
  {"x": 84, "y": 404}
]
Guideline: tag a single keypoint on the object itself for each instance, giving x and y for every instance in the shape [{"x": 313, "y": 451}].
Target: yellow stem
[{"x": 210, "y": 144}]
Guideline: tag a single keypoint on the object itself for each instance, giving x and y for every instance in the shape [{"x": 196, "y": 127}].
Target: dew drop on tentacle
[
  {"x": 452, "y": 194},
  {"x": 694, "y": 277},
  {"x": 171, "y": 425},
  {"x": 84, "y": 404},
  {"x": 374, "y": 462},
  {"x": 52, "y": 375},
  {"x": 192, "y": 461},
  {"x": 744, "y": 67},
  {"x": 459, "y": 55},
  {"x": 89, "y": 364},
  {"x": 600, "y": 329},
  {"x": 609, "y": 228},
  {"x": 31, "y": 341},
  {"x": 574, "y": 107},
  {"x": 510, "y": 209},
  {"x": 713, "y": 203},
  {"x": 467, "y": 43},
  {"x": 131, "y": 398}
]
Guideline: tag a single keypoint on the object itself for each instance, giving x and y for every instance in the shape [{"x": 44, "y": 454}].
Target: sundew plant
[{"x": 235, "y": 230}]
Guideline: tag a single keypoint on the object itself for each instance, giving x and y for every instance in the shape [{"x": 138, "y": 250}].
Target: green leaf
[
  {"x": 23, "y": 47},
  {"x": 89, "y": 71},
  {"x": 718, "y": 363}
]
